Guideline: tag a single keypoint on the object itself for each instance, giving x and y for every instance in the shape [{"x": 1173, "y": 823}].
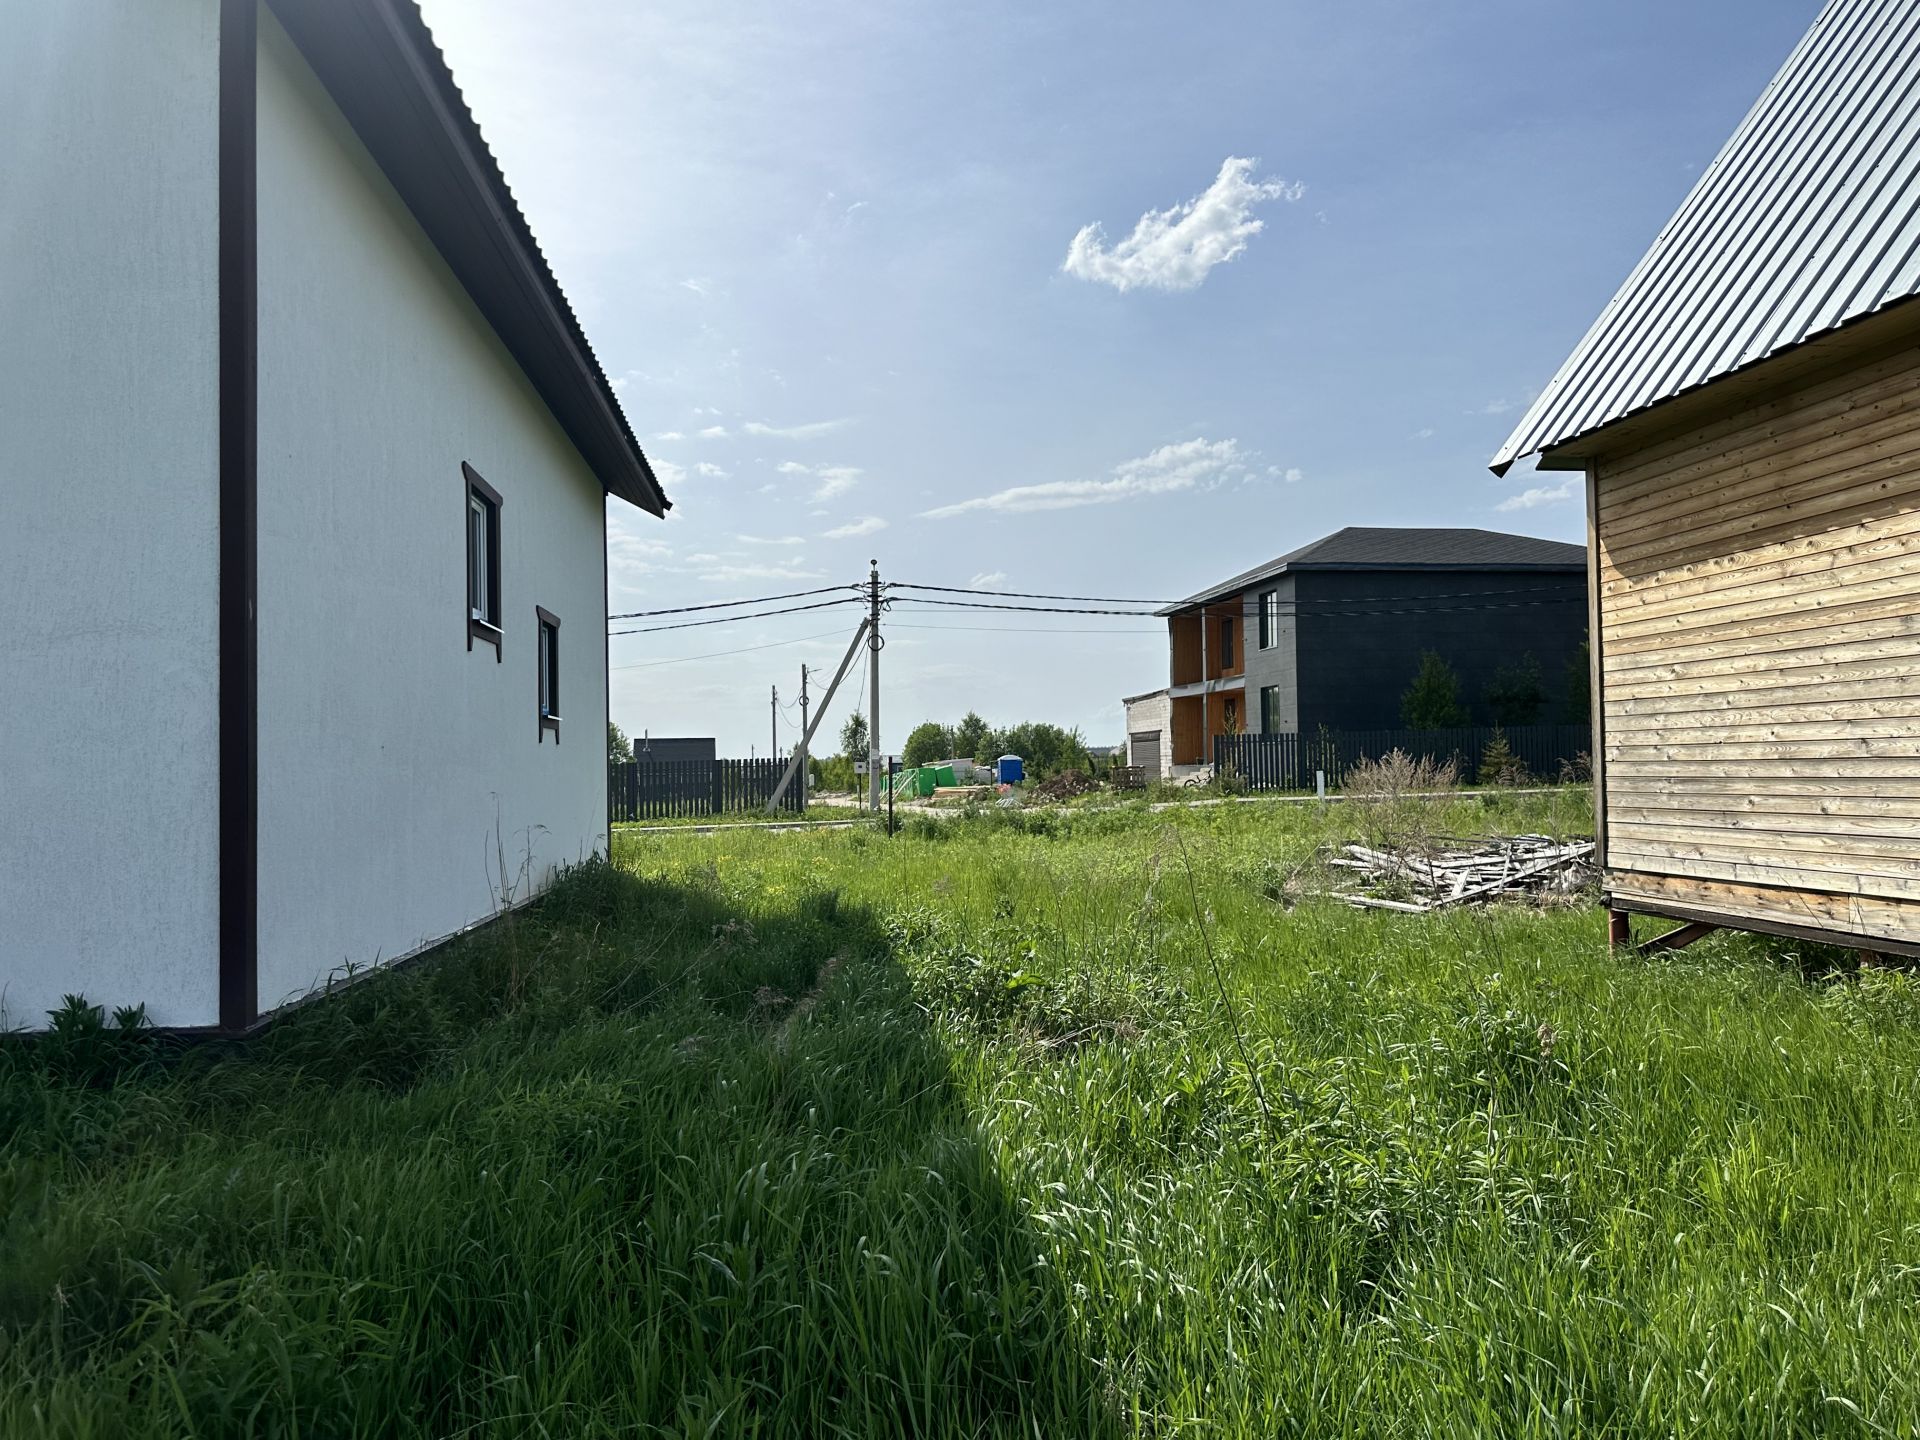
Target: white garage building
[{"x": 303, "y": 466}]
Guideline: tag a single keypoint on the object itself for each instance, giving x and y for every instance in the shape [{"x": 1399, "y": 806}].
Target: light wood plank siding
[{"x": 1758, "y": 591}]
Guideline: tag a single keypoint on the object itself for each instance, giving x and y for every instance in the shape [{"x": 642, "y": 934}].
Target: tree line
[{"x": 1045, "y": 749}]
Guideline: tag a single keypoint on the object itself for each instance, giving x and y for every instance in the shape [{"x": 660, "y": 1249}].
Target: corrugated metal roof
[
  {"x": 1382, "y": 547},
  {"x": 1806, "y": 221}
]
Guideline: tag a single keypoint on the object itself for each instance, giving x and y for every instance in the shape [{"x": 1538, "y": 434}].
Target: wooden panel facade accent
[
  {"x": 1183, "y": 645},
  {"x": 1757, "y": 602},
  {"x": 1197, "y": 719}
]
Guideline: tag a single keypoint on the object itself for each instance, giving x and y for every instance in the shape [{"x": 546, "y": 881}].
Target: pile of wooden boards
[{"x": 1455, "y": 872}]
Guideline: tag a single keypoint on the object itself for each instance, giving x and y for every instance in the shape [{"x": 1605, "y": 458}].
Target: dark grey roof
[
  {"x": 1808, "y": 219},
  {"x": 1367, "y": 547},
  {"x": 378, "y": 61}
]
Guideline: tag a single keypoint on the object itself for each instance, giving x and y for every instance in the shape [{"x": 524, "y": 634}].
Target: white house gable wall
[{"x": 406, "y": 784}]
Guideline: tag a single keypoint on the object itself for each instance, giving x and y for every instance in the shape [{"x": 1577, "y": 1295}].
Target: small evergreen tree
[
  {"x": 1499, "y": 765},
  {"x": 1432, "y": 702},
  {"x": 970, "y": 737},
  {"x": 1579, "y": 691},
  {"x": 1516, "y": 695},
  {"x": 619, "y": 748}
]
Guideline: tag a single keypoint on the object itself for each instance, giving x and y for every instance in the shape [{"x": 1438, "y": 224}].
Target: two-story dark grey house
[{"x": 1332, "y": 634}]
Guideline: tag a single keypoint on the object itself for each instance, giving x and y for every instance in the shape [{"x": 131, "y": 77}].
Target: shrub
[{"x": 1399, "y": 799}]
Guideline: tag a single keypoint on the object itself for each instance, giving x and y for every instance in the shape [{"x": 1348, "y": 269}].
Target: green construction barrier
[{"x": 918, "y": 781}]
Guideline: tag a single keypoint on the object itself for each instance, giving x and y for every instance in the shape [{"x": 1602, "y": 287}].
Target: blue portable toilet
[{"x": 1010, "y": 770}]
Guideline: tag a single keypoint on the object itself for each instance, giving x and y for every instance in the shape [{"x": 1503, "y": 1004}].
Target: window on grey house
[
  {"x": 483, "y": 560},
  {"x": 1269, "y": 619},
  {"x": 1269, "y": 709},
  {"x": 549, "y": 660}
]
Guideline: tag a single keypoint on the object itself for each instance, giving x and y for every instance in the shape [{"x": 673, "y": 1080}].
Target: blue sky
[{"x": 829, "y": 255}]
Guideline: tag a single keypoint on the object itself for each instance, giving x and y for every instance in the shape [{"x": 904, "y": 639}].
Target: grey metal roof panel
[
  {"x": 379, "y": 62},
  {"x": 1804, "y": 222},
  {"x": 1377, "y": 547}
]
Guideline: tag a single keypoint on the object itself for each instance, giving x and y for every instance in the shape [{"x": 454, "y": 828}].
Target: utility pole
[
  {"x": 774, "y": 753},
  {"x": 873, "y": 699},
  {"x": 804, "y": 732},
  {"x": 826, "y": 702}
]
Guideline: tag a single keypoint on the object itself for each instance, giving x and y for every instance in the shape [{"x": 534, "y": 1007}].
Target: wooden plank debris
[{"x": 1456, "y": 872}]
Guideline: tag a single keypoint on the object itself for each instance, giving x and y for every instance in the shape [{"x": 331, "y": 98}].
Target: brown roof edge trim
[
  {"x": 239, "y": 556},
  {"x": 376, "y": 57},
  {"x": 1574, "y": 451}
]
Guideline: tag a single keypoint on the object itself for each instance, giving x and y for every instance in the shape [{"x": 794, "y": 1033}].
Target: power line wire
[
  {"x": 1196, "y": 602},
  {"x": 1025, "y": 594},
  {"x": 730, "y": 604},
  {"x": 720, "y": 654},
  {"x": 729, "y": 619},
  {"x": 1029, "y": 629},
  {"x": 1024, "y": 609},
  {"x": 1289, "y": 606},
  {"x": 1330, "y": 606}
]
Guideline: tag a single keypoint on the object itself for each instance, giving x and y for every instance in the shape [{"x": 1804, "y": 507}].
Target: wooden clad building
[{"x": 1747, "y": 415}]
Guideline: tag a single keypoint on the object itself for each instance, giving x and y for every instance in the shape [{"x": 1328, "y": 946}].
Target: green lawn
[{"x": 954, "y": 1134}]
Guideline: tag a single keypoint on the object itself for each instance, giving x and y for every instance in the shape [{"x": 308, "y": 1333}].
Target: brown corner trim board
[{"x": 238, "y": 347}]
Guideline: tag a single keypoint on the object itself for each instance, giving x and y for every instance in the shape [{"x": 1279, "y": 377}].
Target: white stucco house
[{"x": 304, "y": 466}]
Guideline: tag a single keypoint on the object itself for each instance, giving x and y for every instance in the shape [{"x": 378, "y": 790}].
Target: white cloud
[
  {"x": 1184, "y": 466},
  {"x": 865, "y": 525},
  {"x": 1292, "y": 474},
  {"x": 630, "y": 548},
  {"x": 1496, "y": 407},
  {"x": 667, "y": 473},
  {"x": 714, "y": 432},
  {"x": 1425, "y": 432},
  {"x": 1540, "y": 495},
  {"x": 700, "y": 287},
  {"x": 1173, "y": 249},
  {"x": 989, "y": 580},
  {"x": 709, "y": 470},
  {"x": 771, "y": 539},
  {"x": 833, "y": 479},
  {"x": 795, "y": 432},
  {"x": 669, "y": 435}
]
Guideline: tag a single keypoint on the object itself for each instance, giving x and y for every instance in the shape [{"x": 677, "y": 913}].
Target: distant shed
[{"x": 1747, "y": 415}]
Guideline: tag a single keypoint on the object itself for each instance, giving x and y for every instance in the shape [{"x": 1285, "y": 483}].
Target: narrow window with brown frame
[
  {"x": 549, "y": 655},
  {"x": 483, "y": 560}
]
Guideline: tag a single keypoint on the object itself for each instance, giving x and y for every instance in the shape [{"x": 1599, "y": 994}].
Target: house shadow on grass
[{"x": 644, "y": 1159}]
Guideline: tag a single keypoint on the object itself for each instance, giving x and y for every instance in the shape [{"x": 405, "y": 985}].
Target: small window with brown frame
[
  {"x": 549, "y": 652},
  {"x": 483, "y": 560}
]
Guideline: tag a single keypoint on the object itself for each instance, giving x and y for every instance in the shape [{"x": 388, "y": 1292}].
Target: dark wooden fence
[
  {"x": 663, "y": 789},
  {"x": 1288, "y": 761}
]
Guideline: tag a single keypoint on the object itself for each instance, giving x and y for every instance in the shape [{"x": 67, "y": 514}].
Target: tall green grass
[{"x": 954, "y": 1134}]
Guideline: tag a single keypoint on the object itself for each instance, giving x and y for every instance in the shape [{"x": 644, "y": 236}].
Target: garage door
[{"x": 1143, "y": 749}]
